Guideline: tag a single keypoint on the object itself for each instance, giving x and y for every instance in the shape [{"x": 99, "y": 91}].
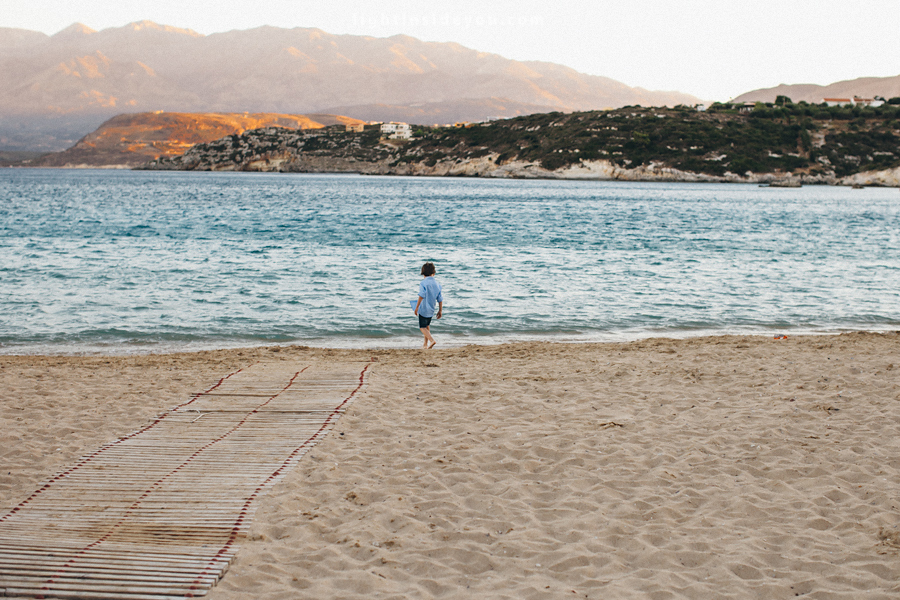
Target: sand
[{"x": 720, "y": 467}]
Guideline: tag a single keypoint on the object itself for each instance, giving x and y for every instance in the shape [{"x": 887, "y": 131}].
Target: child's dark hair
[{"x": 428, "y": 269}]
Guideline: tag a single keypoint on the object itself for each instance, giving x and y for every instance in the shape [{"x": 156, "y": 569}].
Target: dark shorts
[{"x": 424, "y": 322}]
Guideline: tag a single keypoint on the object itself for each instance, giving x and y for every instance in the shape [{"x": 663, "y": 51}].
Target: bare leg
[{"x": 429, "y": 341}]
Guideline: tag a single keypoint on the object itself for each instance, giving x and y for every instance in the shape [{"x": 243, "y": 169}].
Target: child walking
[{"x": 429, "y": 294}]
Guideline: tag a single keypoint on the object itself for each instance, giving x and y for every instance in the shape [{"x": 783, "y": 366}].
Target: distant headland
[{"x": 786, "y": 143}]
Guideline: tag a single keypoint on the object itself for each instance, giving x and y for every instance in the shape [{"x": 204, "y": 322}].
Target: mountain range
[
  {"x": 864, "y": 87},
  {"x": 58, "y": 88}
]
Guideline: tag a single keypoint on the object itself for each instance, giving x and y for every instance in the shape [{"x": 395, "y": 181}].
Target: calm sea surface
[{"x": 120, "y": 261}]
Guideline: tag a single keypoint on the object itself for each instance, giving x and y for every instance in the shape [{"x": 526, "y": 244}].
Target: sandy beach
[{"x": 718, "y": 467}]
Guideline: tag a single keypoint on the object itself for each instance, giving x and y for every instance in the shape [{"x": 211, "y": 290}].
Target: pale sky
[{"x": 714, "y": 49}]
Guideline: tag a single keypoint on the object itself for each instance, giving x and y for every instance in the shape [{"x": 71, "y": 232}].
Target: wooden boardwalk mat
[{"x": 160, "y": 513}]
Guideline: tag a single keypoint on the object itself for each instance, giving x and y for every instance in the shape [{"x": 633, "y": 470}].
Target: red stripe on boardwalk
[
  {"x": 309, "y": 442},
  {"x": 103, "y": 449},
  {"x": 160, "y": 481}
]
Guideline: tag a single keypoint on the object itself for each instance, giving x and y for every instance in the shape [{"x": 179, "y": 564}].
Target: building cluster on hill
[
  {"x": 855, "y": 101},
  {"x": 390, "y": 131},
  {"x": 396, "y": 131}
]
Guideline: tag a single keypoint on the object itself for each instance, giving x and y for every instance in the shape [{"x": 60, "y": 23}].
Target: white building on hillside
[
  {"x": 854, "y": 101},
  {"x": 396, "y": 131}
]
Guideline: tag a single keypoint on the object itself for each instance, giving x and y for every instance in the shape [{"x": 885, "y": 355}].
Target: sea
[{"x": 119, "y": 262}]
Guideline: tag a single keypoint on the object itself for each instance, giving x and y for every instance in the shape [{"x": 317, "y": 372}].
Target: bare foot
[{"x": 432, "y": 345}]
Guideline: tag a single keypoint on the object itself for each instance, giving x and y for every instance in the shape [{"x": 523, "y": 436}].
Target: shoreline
[
  {"x": 412, "y": 342},
  {"x": 725, "y": 466},
  {"x": 854, "y": 181}
]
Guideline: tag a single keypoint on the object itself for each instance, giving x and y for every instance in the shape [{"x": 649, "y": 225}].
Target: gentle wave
[{"x": 139, "y": 261}]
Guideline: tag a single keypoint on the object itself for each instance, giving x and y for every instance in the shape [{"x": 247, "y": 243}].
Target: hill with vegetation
[
  {"x": 132, "y": 139},
  {"x": 805, "y": 142}
]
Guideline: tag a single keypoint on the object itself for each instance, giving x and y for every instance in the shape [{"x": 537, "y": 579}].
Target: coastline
[
  {"x": 589, "y": 171},
  {"x": 489, "y": 167},
  {"x": 413, "y": 341},
  {"x": 727, "y": 466}
]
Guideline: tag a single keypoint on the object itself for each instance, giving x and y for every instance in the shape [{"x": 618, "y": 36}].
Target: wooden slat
[{"x": 160, "y": 513}]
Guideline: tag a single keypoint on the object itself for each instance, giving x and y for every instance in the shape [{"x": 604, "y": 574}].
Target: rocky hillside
[
  {"x": 133, "y": 139},
  {"x": 801, "y": 142},
  {"x": 56, "y": 84},
  {"x": 434, "y": 113}
]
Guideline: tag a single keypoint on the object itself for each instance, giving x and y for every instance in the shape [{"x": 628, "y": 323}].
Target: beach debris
[
  {"x": 889, "y": 538},
  {"x": 609, "y": 424},
  {"x": 781, "y": 337}
]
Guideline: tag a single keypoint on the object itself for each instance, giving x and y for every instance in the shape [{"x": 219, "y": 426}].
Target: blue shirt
[{"x": 430, "y": 292}]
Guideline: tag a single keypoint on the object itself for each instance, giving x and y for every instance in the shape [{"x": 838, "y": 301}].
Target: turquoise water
[{"x": 122, "y": 261}]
